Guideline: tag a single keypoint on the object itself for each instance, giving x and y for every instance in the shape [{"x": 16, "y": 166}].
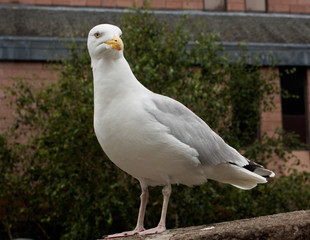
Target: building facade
[{"x": 33, "y": 32}]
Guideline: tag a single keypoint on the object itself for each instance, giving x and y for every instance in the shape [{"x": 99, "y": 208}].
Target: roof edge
[{"x": 14, "y": 48}]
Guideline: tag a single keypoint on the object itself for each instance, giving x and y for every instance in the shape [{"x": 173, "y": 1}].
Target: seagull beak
[{"x": 116, "y": 43}]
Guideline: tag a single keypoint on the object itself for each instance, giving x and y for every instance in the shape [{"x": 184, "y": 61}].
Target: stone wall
[{"x": 288, "y": 226}]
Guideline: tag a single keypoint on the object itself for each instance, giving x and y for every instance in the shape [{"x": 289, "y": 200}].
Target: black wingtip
[
  {"x": 258, "y": 169},
  {"x": 252, "y": 166}
]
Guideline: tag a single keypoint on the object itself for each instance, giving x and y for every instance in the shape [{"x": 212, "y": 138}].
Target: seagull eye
[{"x": 97, "y": 34}]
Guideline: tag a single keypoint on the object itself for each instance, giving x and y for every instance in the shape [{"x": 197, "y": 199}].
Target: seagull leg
[
  {"x": 140, "y": 223},
  {"x": 144, "y": 198},
  {"x": 162, "y": 223}
]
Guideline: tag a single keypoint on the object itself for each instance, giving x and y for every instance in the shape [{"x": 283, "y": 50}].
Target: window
[
  {"x": 255, "y": 5},
  {"x": 294, "y": 108},
  {"x": 215, "y": 5}
]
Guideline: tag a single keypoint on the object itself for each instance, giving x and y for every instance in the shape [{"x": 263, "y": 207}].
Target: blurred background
[{"x": 241, "y": 65}]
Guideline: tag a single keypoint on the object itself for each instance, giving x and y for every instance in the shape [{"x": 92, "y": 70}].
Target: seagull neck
[
  {"x": 114, "y": 79},
  {"x": 115, "y": 72}
]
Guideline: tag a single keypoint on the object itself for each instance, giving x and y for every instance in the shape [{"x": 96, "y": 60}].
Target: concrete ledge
[{"x": 288, "y": 226}]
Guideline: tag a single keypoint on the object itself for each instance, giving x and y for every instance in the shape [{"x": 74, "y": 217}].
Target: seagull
[{"x": 154, "y": 138}]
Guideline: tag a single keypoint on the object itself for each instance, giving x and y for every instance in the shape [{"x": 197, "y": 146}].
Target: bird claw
[
  {"x": 136, "y": 231},
  {"x": 155, "y": 230},
  {"x": 123, "y": 234}
]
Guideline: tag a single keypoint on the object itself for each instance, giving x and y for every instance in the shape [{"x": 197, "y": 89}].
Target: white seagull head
[{"x": 104, "y": 39}]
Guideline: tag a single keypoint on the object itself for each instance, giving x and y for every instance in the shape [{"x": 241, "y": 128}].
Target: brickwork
[
  {"x": 9, "y": 72},
  {"x": 160, "y": 4},
  {"x": 272, "y": 120},
  {"x": 289, "y": 6},
  {"x": 281, "y": 6},
  {"x": 304, "y": 157},
  {"x": 235, "y": 5}
]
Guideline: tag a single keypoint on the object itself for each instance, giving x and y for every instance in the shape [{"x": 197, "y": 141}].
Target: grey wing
[{"x": 188, "y": 128}]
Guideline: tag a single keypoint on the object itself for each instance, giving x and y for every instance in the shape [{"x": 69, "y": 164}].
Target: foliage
[{"x": 59, "y": 183}]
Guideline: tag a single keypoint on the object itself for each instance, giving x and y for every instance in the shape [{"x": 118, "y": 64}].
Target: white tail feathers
[
  {"x": 264, "y": 172},
  {"x": 238, "y": 176}
]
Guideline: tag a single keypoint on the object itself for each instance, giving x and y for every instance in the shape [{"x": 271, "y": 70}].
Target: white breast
[{"x": 144, "y": 148}]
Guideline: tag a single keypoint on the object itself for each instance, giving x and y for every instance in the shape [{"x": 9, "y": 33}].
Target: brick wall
[
  {"x": 272, "y": 120},
  {"x": 161, "y": 4},
  {"x": 289, "y": 6},
  {"x": 235, "y": 5},
  {"x": 9, "y": 71},
  {"x": 282, "y": 6}
]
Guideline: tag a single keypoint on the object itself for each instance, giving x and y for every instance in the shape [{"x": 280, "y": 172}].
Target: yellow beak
[{"x": 116, "y": 43}]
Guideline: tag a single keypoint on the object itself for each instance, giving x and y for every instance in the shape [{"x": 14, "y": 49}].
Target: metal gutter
[{"x": 14, "y": 48}]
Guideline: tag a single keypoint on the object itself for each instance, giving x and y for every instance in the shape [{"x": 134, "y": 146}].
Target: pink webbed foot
[
  {"x": 156, "y": 230},
  {"x": 124, "y": 234}
]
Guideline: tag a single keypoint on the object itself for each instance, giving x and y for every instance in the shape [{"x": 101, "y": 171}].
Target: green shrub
[{"x": 58, "y": 184}]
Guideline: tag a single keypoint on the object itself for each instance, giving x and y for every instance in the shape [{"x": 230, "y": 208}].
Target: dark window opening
[{"x": 294, "y": 107}]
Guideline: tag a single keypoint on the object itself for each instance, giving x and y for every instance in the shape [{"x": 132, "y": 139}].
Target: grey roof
[
  {"x": 28, "y": 32},
  {"x": 46, "y": 21}
]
